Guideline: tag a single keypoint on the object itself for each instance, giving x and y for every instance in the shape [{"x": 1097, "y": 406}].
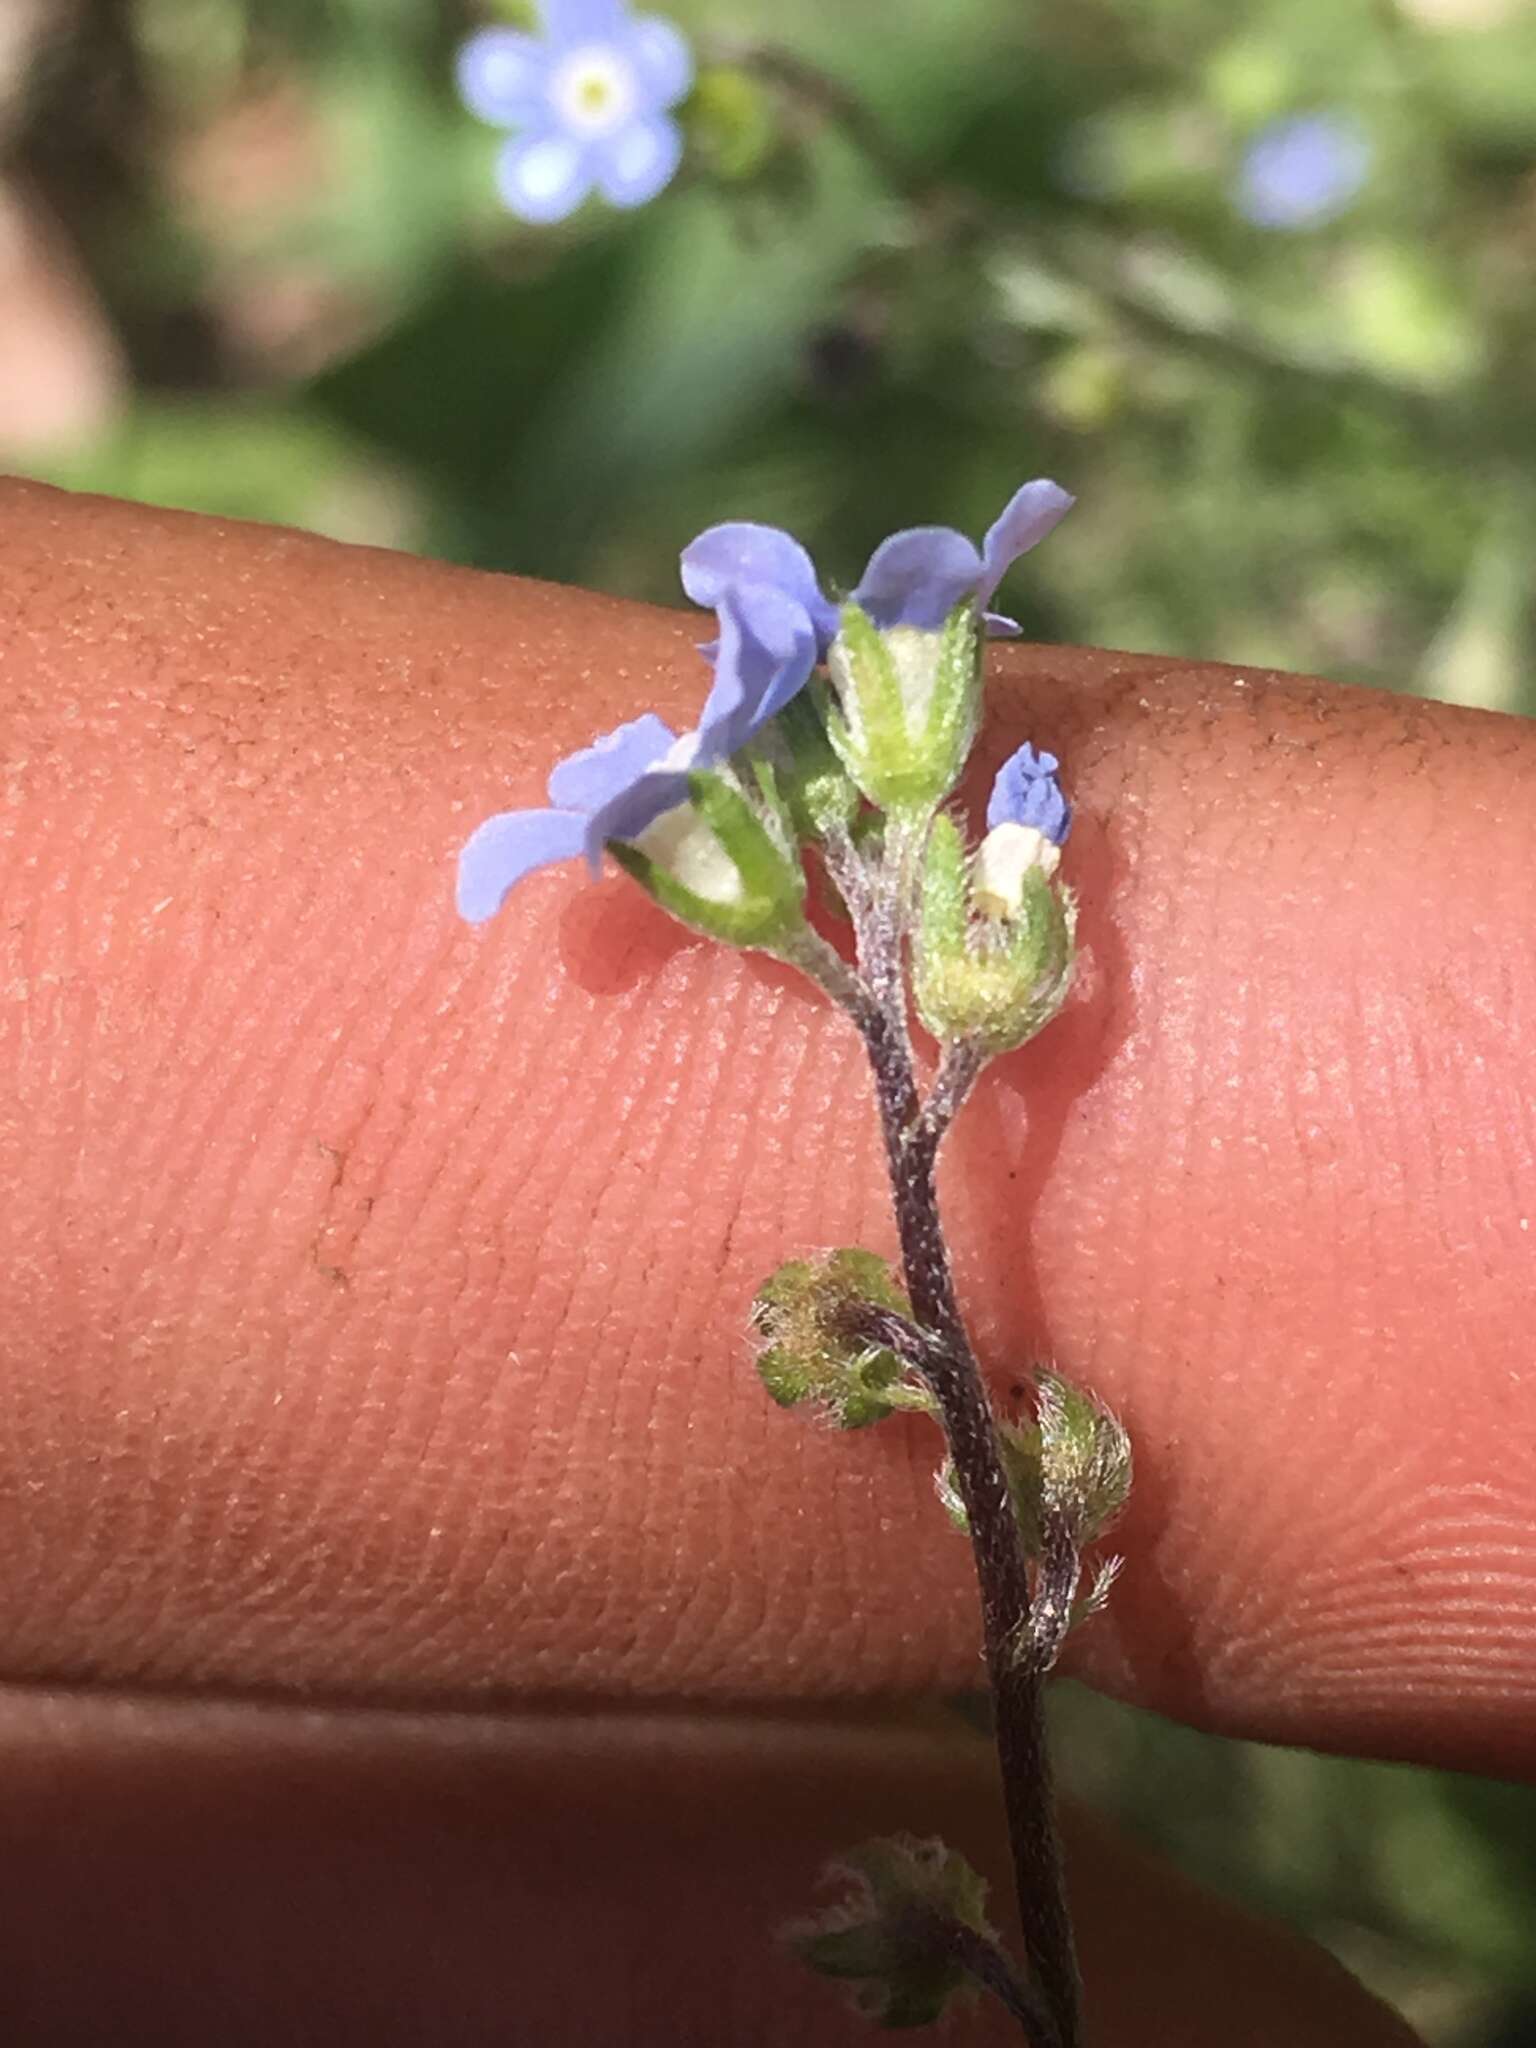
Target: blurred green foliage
[
  {"x": 921, "y": 253},
  {"x": 1422, "y": 1882}
]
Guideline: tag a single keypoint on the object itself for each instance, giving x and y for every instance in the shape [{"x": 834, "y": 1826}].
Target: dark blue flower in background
[
  {"x": 588, "y": 100},
  {"x": 1026, "y": 792},
  {"x": 1303, "y": 171}
]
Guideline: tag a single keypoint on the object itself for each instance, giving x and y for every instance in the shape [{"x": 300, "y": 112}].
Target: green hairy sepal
[
  {"x": 908, "y": 705},
  {"x": 1072, "y": 1464},
  {"x": 723, "y": 864},
  {"x": 988, "y": 981},
  {"x": 891, "y": 1936},
  {"x": 800, "y": 1317}
]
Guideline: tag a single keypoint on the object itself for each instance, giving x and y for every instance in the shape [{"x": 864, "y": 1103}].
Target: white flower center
[
  {"x": 1003, "y": 859},
  {"x": 680, "y": 756},
  {"x": 683, "y": 844},
  {"x": 594, "y": 91},
  {"x": 915, "y": 654}
]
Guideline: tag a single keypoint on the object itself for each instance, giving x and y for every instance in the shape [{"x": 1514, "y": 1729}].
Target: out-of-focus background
[{"x": 1257, "y": 281}]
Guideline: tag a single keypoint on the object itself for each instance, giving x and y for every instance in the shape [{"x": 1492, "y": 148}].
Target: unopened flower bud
[
  {"x": 989, "y": 971},
  {"x": 801, "y": 1317}
]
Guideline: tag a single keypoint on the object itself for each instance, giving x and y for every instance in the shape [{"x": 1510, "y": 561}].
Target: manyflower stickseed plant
[
  {"x": 845, "y": 728},
  {"x": 588, "y": 100}
]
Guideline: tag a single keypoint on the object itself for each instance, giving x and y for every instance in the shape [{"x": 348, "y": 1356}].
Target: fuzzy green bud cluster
[
  {"x": 1071, "y": 1466},
  {"x": 801, "y": 1318},
  {"x": 1085, "y": 1459},
  {"x": 891, "y": 1937}
]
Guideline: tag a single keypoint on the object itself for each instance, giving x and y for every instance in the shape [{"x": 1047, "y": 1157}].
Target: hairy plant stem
[
  {"x": 989, "y": 1966},
  {"x": 879, "y": 897}
]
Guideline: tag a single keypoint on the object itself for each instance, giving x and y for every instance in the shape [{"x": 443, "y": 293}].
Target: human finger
[
  {"x": 246, "y": 1875},
  {"x": 374, "y": 1287}
]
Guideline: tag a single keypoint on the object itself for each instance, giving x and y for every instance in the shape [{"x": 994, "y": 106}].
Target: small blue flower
[
  {"x": 766, "y": 651},
  {"x": 740, "y": 555},
  {"x": 618, "y": 787},
  {"x": 916, "y": 578},
  {"x": 1026, "y": 792},
  {"x": 588, "y": 99},
  {"x": 1304, "y": 171},
  {"x": 613, "y": 789}
]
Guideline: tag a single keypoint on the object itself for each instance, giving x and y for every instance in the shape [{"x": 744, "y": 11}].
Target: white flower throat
[
  {"x": 684, "y": 845},
  {"x": 593, "y": 91}
]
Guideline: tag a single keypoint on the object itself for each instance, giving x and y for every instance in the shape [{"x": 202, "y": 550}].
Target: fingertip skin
[
  {"x": 373, "y": 1286},
  {"x": 381, "y": 1880}
]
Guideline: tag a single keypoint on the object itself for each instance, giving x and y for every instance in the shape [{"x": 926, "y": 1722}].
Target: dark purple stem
[{"x": 879, "y": 902}]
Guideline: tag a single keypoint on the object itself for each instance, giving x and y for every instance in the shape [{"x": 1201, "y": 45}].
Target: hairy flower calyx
[
  {"x": 991, "y": 966},
  {"x": 723, "y": 864},
  {"x": 908, "y": 700}
]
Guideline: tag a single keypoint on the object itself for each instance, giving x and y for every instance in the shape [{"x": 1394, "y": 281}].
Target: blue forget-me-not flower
[
  {"x": 589, "y": 101},
  {"x": 613, "y": 789},
  {"x": 1303, "y": 171},
  {"x": 620, "y": 786},
  {"x": 918, "y": 587}
]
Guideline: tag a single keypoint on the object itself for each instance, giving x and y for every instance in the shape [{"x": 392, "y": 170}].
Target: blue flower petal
[
  {"x": 568, "y": 23},
  {"x": 501, "y": 76},
  {"x": 1025, "y": 520},
  {"x": 917, "y": 577},
  {"x": 543, "y": 176},
  {"x": 740, "y": 552},
  {"x": 765, "y": 654},
  {"x": 509, "y": 846},
  {"x": 661, "y": 57},
  {"x": 595, "y": 775},
  {"x": 1026, "y": 792},
  {"x": 628, "y": 813},
  {"x": 636, "y": 161}
]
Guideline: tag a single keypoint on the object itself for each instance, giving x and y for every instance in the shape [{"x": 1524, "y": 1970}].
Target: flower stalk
[
  {"x": 913, "y": 1132},
  {"x": 845, "y": 729}
]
